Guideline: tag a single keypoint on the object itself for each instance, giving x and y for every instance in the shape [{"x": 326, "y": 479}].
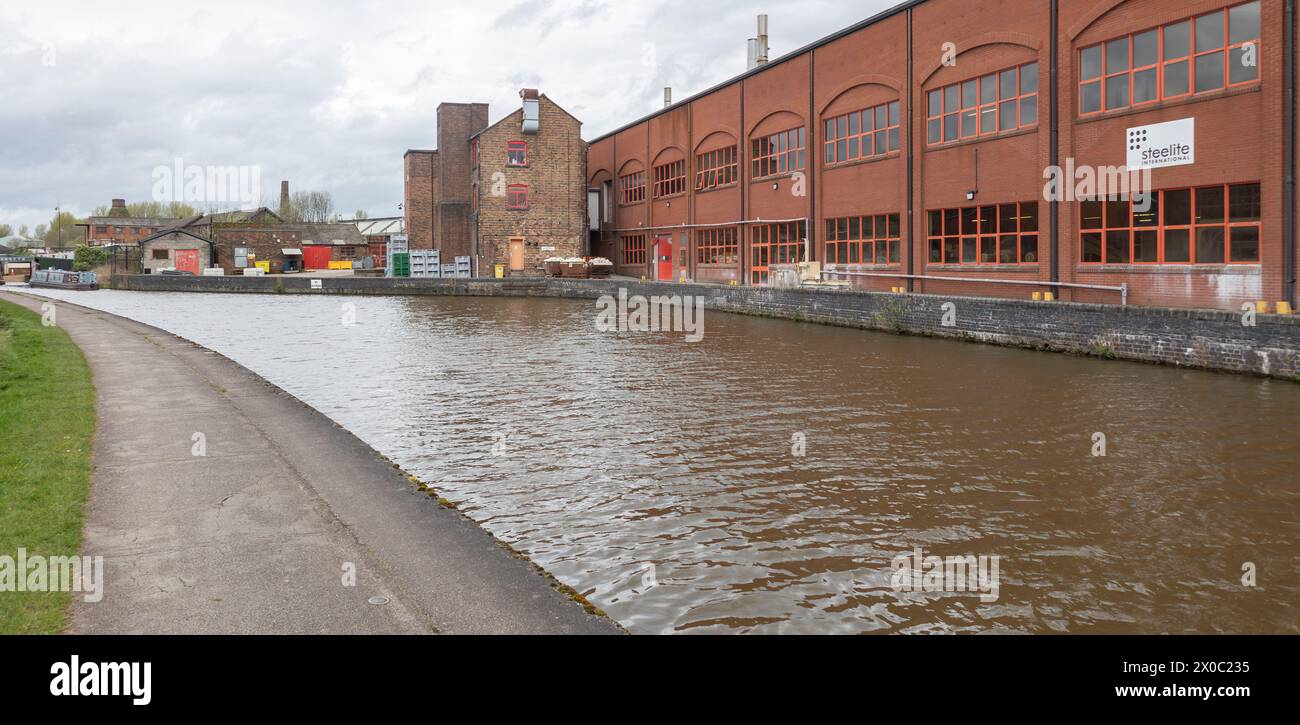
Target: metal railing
[{"x": 1121, "y": 289}]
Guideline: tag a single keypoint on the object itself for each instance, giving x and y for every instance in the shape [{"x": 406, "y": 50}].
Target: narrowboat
[{"x": 60, "y": 279}]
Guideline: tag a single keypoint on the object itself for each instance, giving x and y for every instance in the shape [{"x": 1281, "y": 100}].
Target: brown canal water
[{"x": 662, "y": 478}]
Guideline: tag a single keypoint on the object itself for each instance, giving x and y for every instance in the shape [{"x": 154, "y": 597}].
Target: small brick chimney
[{"x": 284, "y": 197}]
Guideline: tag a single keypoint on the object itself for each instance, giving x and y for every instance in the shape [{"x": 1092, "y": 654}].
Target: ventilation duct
[{"x": 532, "y": 115}]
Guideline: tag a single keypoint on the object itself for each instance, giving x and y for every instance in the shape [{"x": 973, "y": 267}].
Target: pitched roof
[
  {"x": 169, "y": 232},
  {"x": 379, "y": 227}
]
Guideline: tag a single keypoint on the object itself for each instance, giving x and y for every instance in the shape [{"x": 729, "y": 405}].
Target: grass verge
[{"x": 47, "y": 423}]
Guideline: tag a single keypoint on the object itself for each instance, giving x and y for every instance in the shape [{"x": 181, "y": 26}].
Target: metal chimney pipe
[
  {"x": 762, "y": 40},
  {"x": 751, "y": 59},
  {"x": 668, "y": 96}
]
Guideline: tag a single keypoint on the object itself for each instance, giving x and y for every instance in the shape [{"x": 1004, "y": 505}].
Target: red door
[
  {"x": 316, "y": 256},
  {"x": 664, "y": 259},
  {"x": 187, "y": 260}
]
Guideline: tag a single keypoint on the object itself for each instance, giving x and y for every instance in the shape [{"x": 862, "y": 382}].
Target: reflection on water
[{"x": 602, "y": 454}]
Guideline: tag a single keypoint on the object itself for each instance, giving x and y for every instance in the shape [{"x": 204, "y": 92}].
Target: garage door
[
  {"x": 316, "y": 257},
  {"x": 187, "y": 260}
]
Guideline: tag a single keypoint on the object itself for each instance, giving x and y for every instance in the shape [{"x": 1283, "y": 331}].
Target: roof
[
  {"x": 380, "y": 227},
  {"x": 878, "y": 17},
  {"x": 517, "y": 111},
  {"x": 169, "y": 232},
  {"x": 238, "y": 216},
  {"x": 326, "y": 233},
  {"x": 127, "y": 221}
]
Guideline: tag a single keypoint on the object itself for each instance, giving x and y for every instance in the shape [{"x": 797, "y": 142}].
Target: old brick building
[
  {"x": 914, "y": 145},
  {"x": 119, "y": 227},
  {"x": 512, "y": 193}
]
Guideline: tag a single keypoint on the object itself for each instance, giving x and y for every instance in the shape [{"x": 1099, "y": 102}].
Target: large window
[
  {"x": 990, "y": 234},
  {"x": 716, "y": 168},
  {"x": 1196, "y": 55},
  {"x": 634, "y": 249},
  {"x": 517, "y": 196},
  {"x": 670, "y": 179},
  {"x": 780, "y": 153},
  {"x": 863, "y": 239},
  {"x": 717, "y": 246},
  {"x": 1207, "y": 225},
  {"x": 779, "y": 243},
  {"x": 997, "y": 102},
  {"x": 632, "y": 188},
  {"x": 862, "y": 134},
  {"x": 517, "y": 153}
]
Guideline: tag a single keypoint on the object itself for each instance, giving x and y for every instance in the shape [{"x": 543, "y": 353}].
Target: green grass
[{"x": 47, "y": 422}]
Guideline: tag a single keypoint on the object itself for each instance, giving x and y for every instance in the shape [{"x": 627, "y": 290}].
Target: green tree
[
  {"x": 6, "y": 230},
  {"x": 361, "y": 214},
  {"x": 87, "y": 258},
  {"x": 152, "y": 210},
  {"x": 62, "y": 232}
]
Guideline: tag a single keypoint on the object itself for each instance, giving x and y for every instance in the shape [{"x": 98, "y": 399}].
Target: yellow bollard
[
  {"x": 1284, "y": 308},
  {"x": 1038, "y": 296},
  {"x": 1048, "y": 297},
  {"x": 1262, "y": 307}
]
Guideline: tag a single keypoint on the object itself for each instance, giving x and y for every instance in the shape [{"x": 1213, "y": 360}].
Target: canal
[{"x": 764, "y": 478}]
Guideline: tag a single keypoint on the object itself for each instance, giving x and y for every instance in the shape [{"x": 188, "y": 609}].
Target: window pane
[
  {"x": 1243, "y": 67},
  {"x": 1146, "y": 209},
  {"x": 936, "y": 251},
  {"x": 970, "y": 221},
  {"x": 969, "y": 94},
  {"x": 1091, "y": 247},
  {"x": 935, "y": 132},
  {"x": 893, "y": 139},
  {"x": 950, "y": 98},
  {"x": 866, "y": 227},
  {"x": 1177, "y": 247},
  {"x": 1117, "y": 91},
  {"x": 1029, "y": 78},
  {"x": 1176, "y": 78},
  {"x": 1209, "y": 205},
  {"x": 950, "y": 221},
  {"x": 1007, "y": 219},
  {"x": 1178, "y": 40},
  {"x": 950, "y": 127},
  {"x": 1145, "y": 49},
  {"x": 950, "y": 248},
  {"x": 1090, "y": 97},
  {"x": 1209, "y": 72},
  {"x": 1029, "y": 248},
  {"x": 855, "y": 228},
  {"x": 1029, "y": 110},
  {"x": 1007, "y": 249},
  {"x": 1243, "y": 23},
  {"x": 1117, "y": 247},
  {"x": 1029, "y": 216},
  {"x": 1209, "y": 245},
  {"x": 1243, "y": 201},
  {"x": 880, "y": 142},
  {"x": 1117, "y": 214},
  {"x": 989, "y": 89},
  {"x": 882, "y": 117},
  {"x": 936, "y": 224},
  {"x": 968, "y": 251},
  {"x": 1245, "y": 244},
  {"x": 1144, "y": 246},
  {"x": 1008, "y": 114},
  {"x": 936, "y": 103},
  {"x": 989, "y": 249},
  {"x": 1007, "y": 83},
  {"x": 1209, "y": 31},
  {"x": 968, "y": 121},
  {"x": 893, "y": 225},
  {"x": 895, "y": 251},
  {"x": 1117, "y": 56},
  {"x": 1144, "y": 86},
  {"x": 1090, "y": 214},
  {"x": 893, "y": 113},
  {"x": 1090, "y": 63},
  {"x": 1178, "y": 207}
]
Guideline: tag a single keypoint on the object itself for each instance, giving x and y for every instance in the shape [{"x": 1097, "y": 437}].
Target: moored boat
[{"x": 60, "y": 279}]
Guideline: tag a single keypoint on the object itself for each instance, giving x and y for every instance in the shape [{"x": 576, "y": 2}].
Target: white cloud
[{"x": 330, "y": 94}]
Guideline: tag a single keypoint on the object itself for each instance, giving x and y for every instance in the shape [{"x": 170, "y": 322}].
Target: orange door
[
  {"x": 316, "y": 256},
  {"x": 187, "y": 260},
  {"x": 664, "y": 258},
  {"x": 516, "y": 254}
]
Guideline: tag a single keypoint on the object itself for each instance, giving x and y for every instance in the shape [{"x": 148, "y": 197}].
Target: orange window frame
[
  {"x": 717, "y": 168},
  {"x": 987, "y": 102},
  {"x": 634, "y": 249},
  {"x": 1128, "y": 224},
  {"x": 718, "y": 246},
  {"x": 517, "y": 196},
  {"x": 1163, "y": 62},
  {"x": 517, "y": 153},
  {"x": 870, "y": 239},
  {"x": 779, "y": 153},
  {"x": 631, "y": 188},
  {"x": 670, "y": 179},
  {"x": 849, "y": 136},
  {"x": 994, "y": 234},
  {"x": 776, "y": 243}
]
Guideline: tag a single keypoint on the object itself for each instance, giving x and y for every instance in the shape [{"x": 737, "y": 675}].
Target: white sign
[
  {"x": 315, "y": 284},
  {"x": 1162, "y": 144},
  {"x": 548, "y": 249}
]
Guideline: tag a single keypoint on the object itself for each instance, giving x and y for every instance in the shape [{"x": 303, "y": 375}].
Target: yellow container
[
  {"x": 1038, "y": 296},
  {"x": 1262, "y": 307},
  {"x": 499, "y": 270},
  {"x": 1048, "y": 297},
  {"x": 345, "y": 264},
  {"x": 264, "y": 266},
  {"x": 1284, "y": 308}
]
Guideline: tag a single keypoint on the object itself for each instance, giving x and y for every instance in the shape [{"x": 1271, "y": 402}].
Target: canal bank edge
[
  {"x": 1205, "y": 339},
  {"x": 425, "y": 554}
]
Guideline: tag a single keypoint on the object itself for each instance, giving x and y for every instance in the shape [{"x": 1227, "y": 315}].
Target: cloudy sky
[{"x": 99, "y": 95}]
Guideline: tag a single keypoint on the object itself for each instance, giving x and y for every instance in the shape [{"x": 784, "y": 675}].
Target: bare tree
[{"x": 310, "y": 207}]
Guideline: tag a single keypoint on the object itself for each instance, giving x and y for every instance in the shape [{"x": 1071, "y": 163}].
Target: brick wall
[
  {"x": 555, "y": 177},
  {"x": 418, "y": 203},
  {"x": 266, "y": 244}
]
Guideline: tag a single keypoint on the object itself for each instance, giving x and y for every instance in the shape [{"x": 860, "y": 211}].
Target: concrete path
[{"x": 254, "y": 537}]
